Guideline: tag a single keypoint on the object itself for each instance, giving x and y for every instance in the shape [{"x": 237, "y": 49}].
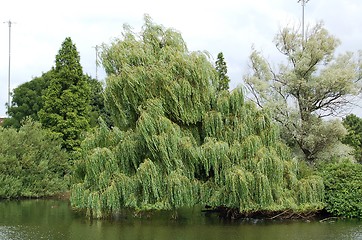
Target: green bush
[
  {"x": 343, "y": 189},
  {"x": 32, "y": 163}
]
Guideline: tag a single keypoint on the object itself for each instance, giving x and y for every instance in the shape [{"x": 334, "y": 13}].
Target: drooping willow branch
[{"x": 177, "y": 143}]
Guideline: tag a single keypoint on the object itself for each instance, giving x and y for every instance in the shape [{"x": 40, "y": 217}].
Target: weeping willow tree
[{"x": 176, "y": 143}]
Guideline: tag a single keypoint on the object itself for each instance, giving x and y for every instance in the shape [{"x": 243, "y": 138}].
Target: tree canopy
[
  {"x": 221, "y": 68},
  {"x": 353, "y": 125},
  {"x": 311, "y": 84},
  {"x": 176, "y": 143},
  {"x": 343, "y": 187},
  {"x": 67, "y": 98},
  {"x": 32, "y": 163},
  {"x": 98, "y": 108},
  {"x": 27, "y": 100}
]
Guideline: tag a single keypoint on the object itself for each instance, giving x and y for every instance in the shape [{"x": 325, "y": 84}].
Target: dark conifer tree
[
  {"x": 66, "y": 101},
  {"x": 221, "y": 68}
]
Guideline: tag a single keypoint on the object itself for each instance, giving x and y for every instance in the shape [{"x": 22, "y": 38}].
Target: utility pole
[
  {"x": 303, "y": 5},
  {"x": 9, "y": 23},
  {"x": 96, "y": 48}
]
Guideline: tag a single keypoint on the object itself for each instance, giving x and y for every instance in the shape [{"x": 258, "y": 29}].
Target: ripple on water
[
  {"x": 10, "y": 233},
  {"x": 21, "y": 233}
]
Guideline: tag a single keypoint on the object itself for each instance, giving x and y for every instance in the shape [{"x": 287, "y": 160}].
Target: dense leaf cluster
[
  {"x": 27, "y": 100},
  {"x": 32, "y": 163},
  {"x": 221, "y": 68},
  {"x": 343, "y": 184},
  {"x": 353, "y": 124},
  {"x": 67, "y": 99}
]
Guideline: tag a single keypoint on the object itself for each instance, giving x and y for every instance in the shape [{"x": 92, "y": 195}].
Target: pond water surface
[{"x": 52, "y": 219}]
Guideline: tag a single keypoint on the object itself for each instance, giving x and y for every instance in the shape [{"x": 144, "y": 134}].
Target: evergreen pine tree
[
  {"x": 221, "y": 68},
  {"x": 66, "y": 101}
]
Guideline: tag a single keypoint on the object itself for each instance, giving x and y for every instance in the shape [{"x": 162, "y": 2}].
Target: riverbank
[
  {"x": 223, "y": 212},
  {"x": 57, "y": 196},
  {"x": 60, "y": 196},
  {"x": 288, "y": 214}
]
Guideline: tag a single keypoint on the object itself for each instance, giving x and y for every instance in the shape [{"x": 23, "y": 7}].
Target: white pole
[
  {"x": 303, "y": 5},
  {"x": 9, "y": 23},
  {"x": 96, "y": 48}
]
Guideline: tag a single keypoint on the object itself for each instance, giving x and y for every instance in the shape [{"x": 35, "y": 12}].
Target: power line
[
  {"x": 303, "y": 5},
  {"x": 10, "y": 23}
]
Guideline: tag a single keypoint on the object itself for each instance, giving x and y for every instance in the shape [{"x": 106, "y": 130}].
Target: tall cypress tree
[
  {"x": 221, "y": 68},
  {"x": 66, "y": 101}
]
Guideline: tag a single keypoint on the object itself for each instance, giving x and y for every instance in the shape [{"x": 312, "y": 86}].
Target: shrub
[
  {"x": 32, "y": 163},
  {"x": 343, "y": 189}
]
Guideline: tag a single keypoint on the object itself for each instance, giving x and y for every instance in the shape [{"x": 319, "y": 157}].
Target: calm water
[{"x": 50, "y": 219}]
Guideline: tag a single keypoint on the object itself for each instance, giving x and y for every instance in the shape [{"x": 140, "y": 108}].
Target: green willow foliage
[{"x": 177, "y": 143}]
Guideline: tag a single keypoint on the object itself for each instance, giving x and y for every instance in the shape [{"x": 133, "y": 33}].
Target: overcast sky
[{"x": 228, "y": 26}]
